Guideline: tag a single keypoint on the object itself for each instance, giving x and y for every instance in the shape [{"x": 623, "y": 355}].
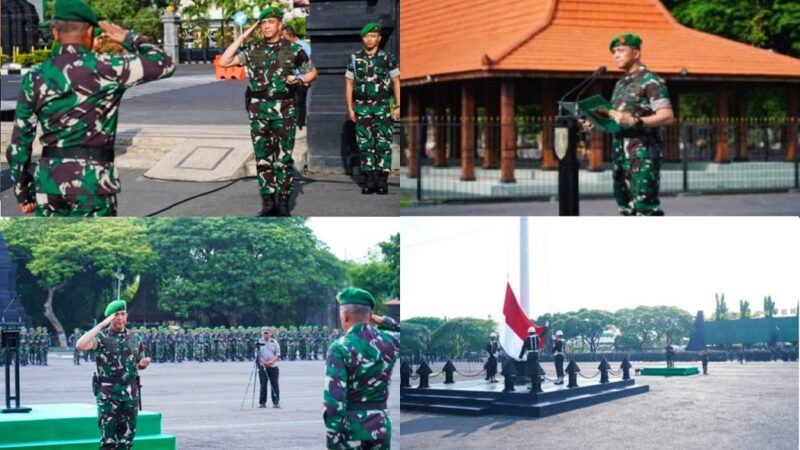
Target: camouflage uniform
[
  {"x": 273, "y": 117},
  {"x": 75, "y": 95},
  {"x": 117, "y": 357},
  {"x": 73, "y": 339},
  {"x": 637, "y": 151},
  {"x": 357, "y": 376},
  {"x": 372, "y": 90}
]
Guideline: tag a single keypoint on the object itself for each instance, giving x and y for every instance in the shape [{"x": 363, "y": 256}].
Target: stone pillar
[
  {"x": 549, "y": 111},
  {"x": 791, "y": 132},
  {"x": 171, "y": 22},
  {"x": 508, "y": 132},
  {"x": 491, "y": 154},
  {"x": 721, "y": 132},
  {"x": 596, "y": 150},
  {"x": 741, "y": 124},
  {"x": 413, "y": 129},
  {"x": 439, "y": 128},
  {"x": 467, "y": 131}
]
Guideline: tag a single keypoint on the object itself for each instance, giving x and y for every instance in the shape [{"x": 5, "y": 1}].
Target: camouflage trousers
[
  {"x": 117, "y": 416},
  {"x": 371, "y": 429},
  {"x": 54, "y": 205},
  {"x": 272, "y": 129},
  {"x": 636, "y": 182},
  {"x": 374, "y": 136}
]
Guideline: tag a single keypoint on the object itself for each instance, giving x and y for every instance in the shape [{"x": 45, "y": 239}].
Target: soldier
[
  {"x": 73, "y": 339},
  {"x": 641, "y": 105},
  {"x": 358, "y": 370},
  {"x": 492, "y": 348},
  {"x": 670, "y": 355},
  {"x": 704, "y": 360},
  {"x": 302, "y": 342},
  {"x": 24, "y": 346},
  {"x": 160, "y": 345},
  {"x": 558, "y": 356},
  {"x": 271, "y": 64},
  {"x": 371, "y": 78},
  {"x": 119, "y": 359},
  {"x": 530, "y": 349},
  {"x": 268, "y": 353},
  {"x": 75, "y": 95}
]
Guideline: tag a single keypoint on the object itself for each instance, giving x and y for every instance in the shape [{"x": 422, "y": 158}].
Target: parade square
[{"x": 200, "y": 403}]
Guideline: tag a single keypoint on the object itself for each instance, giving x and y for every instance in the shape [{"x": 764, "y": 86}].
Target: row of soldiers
[
  {"x": 174, "y": 344},
  {"x": 33, "y": 346}
]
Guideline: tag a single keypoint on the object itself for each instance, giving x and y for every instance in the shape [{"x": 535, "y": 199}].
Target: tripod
[{"x": 252, "y": 379}]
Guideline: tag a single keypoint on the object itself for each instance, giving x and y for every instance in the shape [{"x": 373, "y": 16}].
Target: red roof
[{"x": 456, "y": 38}]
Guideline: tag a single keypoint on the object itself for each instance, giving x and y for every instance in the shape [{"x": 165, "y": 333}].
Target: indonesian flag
[{"x": 515, "y": 329}]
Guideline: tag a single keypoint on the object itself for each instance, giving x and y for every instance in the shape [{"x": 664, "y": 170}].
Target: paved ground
[
  {"x": 201, "y": 403},
  {"x": 736, "y": 406},
  {"x": 771, "y": 204}
]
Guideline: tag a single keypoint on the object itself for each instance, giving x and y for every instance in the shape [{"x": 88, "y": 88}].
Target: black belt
[
  {"x": 364, "y": 406},
  {"x": 113, "y": 380},
  {"x": 264, "y": 95},
  {"x": 100, "y": 154}
]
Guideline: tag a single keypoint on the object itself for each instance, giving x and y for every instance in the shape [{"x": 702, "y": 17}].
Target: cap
[
  {"x": 76, "y": 11},
  {"x": 355, "y": 296},
  {"x": 266, "y": 330},
  {"x": 115, "y": 306},
  {"x": 273, "y": 12},
  {"x": 531, "y": 330},
  {"x": 629, "y": 39},
  {"x": 372, "y": 27},
  {"x": 559, "y": 333}
]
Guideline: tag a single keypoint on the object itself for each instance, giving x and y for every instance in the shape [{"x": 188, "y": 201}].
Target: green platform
[
  {"x": 670, "y": 371},
  {"x": 73, "y": 426}
]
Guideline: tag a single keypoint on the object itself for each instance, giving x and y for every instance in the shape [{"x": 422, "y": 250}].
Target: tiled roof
[{"x": 452, "y": 37}]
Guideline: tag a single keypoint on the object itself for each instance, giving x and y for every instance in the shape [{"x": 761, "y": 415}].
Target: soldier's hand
[
  {"x": 249, "y": 32},
  {"x": 27, "y": 208},
  {"x": 114, "y": 32},
  {"x": 291, "y": 79},
  {"x": 586, "y": 125},
  {"x": 376, "y": 319},
  {"x": 144, "y": 362},
  {"x": 396, "y": 113},
  {"x": 351, "y": 115},
  {"x": 622, "y": 118},
  {"x": 107, "y": 321}
]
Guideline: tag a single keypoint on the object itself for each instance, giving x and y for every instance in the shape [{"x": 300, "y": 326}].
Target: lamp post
[{"x": 566, "y": 138}]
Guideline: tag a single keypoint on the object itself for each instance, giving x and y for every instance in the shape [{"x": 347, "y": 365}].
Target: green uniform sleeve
[
  {"x": 350, "y": 72},
  {"x": 657, "y": 94},
  {"x": 393, "y": 67},
  {"x": 18, "y": 153},
  {"x": 335, "y": 395},
  {"x": 145, "y": 63}
]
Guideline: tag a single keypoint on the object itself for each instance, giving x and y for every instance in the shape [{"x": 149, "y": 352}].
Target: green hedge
[{"x": 31, "y": 59}]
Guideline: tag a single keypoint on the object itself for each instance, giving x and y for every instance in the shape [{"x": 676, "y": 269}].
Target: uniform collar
[
  {"x": 357, "y": 328},
  {"x": 637, "y": 74},
  {"x": 365, "y": 55},
  {"x": 70, "y": 48}
]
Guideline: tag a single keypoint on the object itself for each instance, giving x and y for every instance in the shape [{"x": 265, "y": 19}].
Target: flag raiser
[{"x": 515, "y": 326}]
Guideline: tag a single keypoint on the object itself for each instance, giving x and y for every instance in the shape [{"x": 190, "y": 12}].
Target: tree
[
  {"x": 380, "y": 275},
  {"x": 670, "y": 324},
  {"x": 430, "y": 323},
  {"x": 589, "y": 325},
  {"x": 58, "y": 252},
  {"x": 636, "y": 323},
  {"x": 415, "y": 337},
  {"x": 769, "y": 306},
  {"x": 744, "y": 309},
  {"x": 721, "y": 310},
  {"x": 457, "y": 336}
]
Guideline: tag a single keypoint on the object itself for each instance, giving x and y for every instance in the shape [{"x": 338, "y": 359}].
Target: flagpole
[{"x": 524, "y": 300}]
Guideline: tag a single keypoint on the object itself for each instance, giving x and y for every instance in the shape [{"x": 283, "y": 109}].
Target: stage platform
[
  {"x": 670, "y": 371},
  {"x": 479, "y": 397},
  {"x": 73, "y": 426}
]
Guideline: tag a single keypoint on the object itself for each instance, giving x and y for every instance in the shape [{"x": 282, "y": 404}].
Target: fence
[{"x": 699, "y": 156}]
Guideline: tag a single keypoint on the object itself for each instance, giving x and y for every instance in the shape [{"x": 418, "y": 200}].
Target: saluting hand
[
  {"x": 144, "y": 362},
  {"x": 107, "y": 321},
  {"x": 249, "y": 32},
  {"x": 27, "y": 208},
  {"x": 114, "y": 32}
]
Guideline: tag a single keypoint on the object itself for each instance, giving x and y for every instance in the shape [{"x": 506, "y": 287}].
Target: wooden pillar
[
  {"x": 672, "y": 144},
  {"x": 791, "y": 125},
  {"x": 596, "y": 149},
  {"x": 741, "y": 124},
  {"x": 508, "y": 132},
  {"x": 413, "y": 130},
  {"x": 549, "y": 111},
  {"x": 721, "y": 132},
  {"x": 491, "y": 154},
  {"x": 467, "y": 131},
  {"x": 439, "y": 129}
]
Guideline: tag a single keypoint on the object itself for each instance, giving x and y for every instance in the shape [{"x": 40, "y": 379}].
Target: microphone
[{"x": 583, "y": 85}]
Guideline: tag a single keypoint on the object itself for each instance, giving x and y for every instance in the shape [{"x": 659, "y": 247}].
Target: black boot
[
  {"x": 383, "y": 184},
  {"x": 267, "y": 206},
  {"x": 283, "y": 205},
  {"x": 369, "y": 183}
]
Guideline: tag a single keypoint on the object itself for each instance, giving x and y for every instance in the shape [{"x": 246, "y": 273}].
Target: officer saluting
[
  {"x": 358, "y": 372},
  {"x": 531, "y": 347},
  {"x": 558, "y": 356},
  {"x": 120, "y": 357},
  {"x": 271, "y": 66},
  {"x": 75, "y": 95},
  {"x": 372, "y": 77},
  {"x": 492, "y": 348}
]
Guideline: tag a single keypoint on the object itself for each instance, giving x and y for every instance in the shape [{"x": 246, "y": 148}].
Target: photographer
[{"x": 269, "y": 352}]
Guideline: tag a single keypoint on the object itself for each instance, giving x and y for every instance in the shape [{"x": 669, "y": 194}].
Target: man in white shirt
[{"x": 269, "y": 352}]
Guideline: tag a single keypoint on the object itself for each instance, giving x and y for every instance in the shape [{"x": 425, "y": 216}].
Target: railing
[{"x": 699, "y": 155}]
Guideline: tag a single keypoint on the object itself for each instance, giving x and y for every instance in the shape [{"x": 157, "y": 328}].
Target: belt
[
  {"x": 363, "y": 406},
  {"x": 632, "y": 133},
  {"x": 387, "y": 96},
  {"x": 263, "y": 95},
  {"x": 100, "y": 154},
  {"x": 113, "y": 380}
]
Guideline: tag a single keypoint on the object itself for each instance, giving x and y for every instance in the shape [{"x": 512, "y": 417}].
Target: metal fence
[{"x": 753, "y": 158}]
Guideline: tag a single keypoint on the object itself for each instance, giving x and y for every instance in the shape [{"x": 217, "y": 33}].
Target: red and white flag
[{"x": 514, "y": 330}]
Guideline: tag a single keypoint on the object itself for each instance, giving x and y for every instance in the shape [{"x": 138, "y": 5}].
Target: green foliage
[
  {"x": 415, "y": 337},
  {"x": 34, "y": 58},
  {"x": 4, "y": 59},
  {"x": 144, "y": 16},
  {"x": 773, "y": 24},
  {"x": 696, "y": 105},
  {"x": 767, "y": 102},
  {"x": 299, "y": 25},
  {"x": 627, "y": 343},
  {"x": 744, "y": 309},
  {"x": 430, "y": 323},
  {"x": 457, "y": 336},
  {"x": 769, "y": 306},
  {"x": 721, "y": 309},
  {"x": 381, "y": 275}
]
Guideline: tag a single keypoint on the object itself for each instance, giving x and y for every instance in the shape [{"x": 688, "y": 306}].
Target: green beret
[
  {"x": 355, "y": 296},
  {"x": 115, "y": 306},
  {"x": 272, "y": 12},
  {"x": 76, "y": 11},
  {"x": 629, "y": 39},
  {"x": 372, "y": 27}
]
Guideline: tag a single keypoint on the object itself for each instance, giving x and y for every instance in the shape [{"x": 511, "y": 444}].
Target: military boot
[
  {"x": 383, "y": 183},
  {"x": 267, "y": 206},
  {"x": 369, "y": 183},
  {"x": 283, "y": 205}
]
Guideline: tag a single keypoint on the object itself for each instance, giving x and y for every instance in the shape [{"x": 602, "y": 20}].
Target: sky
[
  {"x": 352, "y": 238},
  {"x": 457, "y": 267}
]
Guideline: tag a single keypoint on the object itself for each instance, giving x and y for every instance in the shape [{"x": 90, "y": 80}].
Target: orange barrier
[{"x": 228, "y": 73}]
